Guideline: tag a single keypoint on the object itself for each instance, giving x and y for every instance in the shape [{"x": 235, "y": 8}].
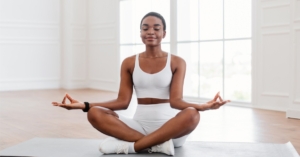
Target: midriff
[{"x": 146, "y": 101}]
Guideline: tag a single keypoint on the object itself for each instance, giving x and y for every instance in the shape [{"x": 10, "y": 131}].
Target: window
[{"x": 213, "y": 36}]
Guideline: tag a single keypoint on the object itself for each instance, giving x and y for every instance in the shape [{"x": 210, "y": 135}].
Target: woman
[{"x": 162, "y": 120}]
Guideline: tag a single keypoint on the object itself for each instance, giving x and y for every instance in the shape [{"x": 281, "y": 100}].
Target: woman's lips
[{"x": 150, "y": 38}]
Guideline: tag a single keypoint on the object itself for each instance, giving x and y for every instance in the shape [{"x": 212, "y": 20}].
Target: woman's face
[{"x": 152, "y": 31}]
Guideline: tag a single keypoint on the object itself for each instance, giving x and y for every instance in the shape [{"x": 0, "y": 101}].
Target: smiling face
[{"x": 152, "y": 31}]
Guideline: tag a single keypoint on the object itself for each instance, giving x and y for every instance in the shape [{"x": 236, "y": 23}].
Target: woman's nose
[{"x": 150, "y": 31}]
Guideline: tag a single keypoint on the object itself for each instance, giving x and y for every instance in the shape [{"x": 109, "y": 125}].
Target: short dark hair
[{"x": 156, "y": 15}]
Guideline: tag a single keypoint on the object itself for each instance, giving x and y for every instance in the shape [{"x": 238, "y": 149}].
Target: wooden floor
[{"x": 28, "y": 114}]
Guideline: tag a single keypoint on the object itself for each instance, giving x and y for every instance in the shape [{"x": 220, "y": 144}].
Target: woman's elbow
[
  {"x": 174, "y": 103},
  {"x": 124, "y": 105}
]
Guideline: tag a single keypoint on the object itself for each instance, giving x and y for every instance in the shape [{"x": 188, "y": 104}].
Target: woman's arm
[
  {"x": 125, "y": 90},
  {"x": 124, "y": 95},
  {"x": 176, "y": 90}
]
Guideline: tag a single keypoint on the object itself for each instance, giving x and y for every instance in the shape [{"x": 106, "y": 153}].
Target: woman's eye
[
  {"x": 156, "y": 29},
  {"x": 145, "y": 29}
]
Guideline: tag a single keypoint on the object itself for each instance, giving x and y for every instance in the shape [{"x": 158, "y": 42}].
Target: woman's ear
[{"x": 164, "y": 34}]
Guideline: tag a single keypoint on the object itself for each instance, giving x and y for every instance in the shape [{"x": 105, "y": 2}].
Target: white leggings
[{"x": 150, "y": 117}]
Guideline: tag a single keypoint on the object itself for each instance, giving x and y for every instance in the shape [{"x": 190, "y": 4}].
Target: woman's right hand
[{"x": 74, "y": 104}]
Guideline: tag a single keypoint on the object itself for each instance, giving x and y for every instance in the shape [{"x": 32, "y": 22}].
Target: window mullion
[
  {"x": 199, "y": 83},
  {"x": 223, "y": 93},
  {"x": 173, "y": 27}
]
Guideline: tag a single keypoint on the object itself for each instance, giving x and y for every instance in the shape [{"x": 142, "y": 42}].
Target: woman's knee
[
  {"x": 94, "y": 113},
  {"x": 99, "y": 114},
  {"x": 192, "y": 116}
]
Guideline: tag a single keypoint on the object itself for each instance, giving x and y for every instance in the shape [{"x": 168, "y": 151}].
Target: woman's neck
[{"x": 153, "y": 52}]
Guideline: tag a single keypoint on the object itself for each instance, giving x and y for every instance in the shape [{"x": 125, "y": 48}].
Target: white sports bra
[{"x": 155, "y": 85}]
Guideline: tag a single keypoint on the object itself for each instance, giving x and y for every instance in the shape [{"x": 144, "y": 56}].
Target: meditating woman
[{"x": 162, "y": 120}]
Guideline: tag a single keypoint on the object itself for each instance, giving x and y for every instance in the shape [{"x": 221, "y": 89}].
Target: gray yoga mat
[{"x": 62, "y": 147}]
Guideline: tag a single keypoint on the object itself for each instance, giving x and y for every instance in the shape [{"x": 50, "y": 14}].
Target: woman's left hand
[{"x": 216, "y": 103}]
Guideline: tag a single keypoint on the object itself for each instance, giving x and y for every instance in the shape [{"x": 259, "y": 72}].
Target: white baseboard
[
  {"x": 271, "y": 108},
  {"x": 29, "y": 85},
  {"x": 74, "y": 85},
  {"x": 293, "y": 113},
  {"x": 101, "y": 85}
]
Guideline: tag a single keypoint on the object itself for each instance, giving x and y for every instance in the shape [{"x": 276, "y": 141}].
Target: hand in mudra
[
  {"x": 74, "y": 104},
  {"x": 215, "y": 103}
]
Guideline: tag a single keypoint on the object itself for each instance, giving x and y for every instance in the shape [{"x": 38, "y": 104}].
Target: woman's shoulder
[
  {"x": 129, "y": 61},
  {"x": 177, "y": 59}
]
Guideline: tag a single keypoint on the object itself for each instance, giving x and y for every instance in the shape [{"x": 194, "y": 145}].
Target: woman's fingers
[
  {"x": 220, "y": 98},
  {"x": 57, "y": 104},
  {"x": 217, "y": 104},
  {"x": 216, "y": 96},
  {"x": 220, "y": 103},
  {"x": 224, "y": 102},
  {"x": 61, "y": 105},
  {"x": 64, "y": 100},
  {"x": 69, "y": 97}
]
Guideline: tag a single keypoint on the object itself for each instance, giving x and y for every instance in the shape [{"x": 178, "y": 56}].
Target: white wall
[
  {"x": 294, "y": 99},
  {"x": 103, "y": 25},
  {"x": 59, "y": 44},
  {"x": 29, "y": 44},
  {"x": 74, "y": 41},
  {"x": 276, "y": 55},
  {"x": 43, "y": 44}
]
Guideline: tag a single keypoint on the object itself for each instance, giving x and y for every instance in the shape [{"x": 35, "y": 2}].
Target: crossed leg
[{"x": 107, "y": 122}]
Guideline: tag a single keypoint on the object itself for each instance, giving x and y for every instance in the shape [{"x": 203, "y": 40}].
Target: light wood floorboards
[{"x": 28, "y": 114}]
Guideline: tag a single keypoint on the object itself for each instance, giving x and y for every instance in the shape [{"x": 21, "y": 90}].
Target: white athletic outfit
[{"x": 150, "y": 117}]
